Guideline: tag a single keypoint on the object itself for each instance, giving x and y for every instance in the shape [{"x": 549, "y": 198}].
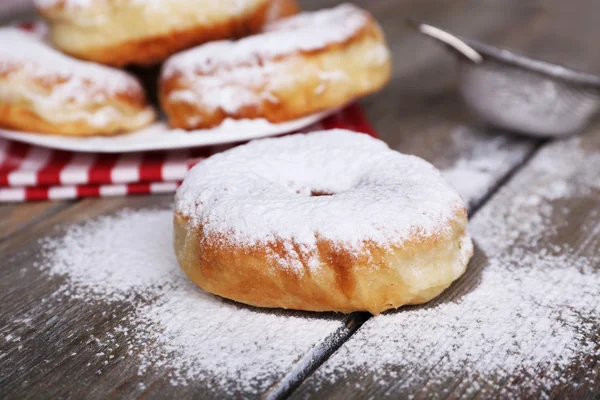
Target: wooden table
[{"x": 418, "y": 113}]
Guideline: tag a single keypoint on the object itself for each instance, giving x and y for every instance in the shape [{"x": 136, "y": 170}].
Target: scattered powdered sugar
[
  {"x": 261, "y": 192},
  {"x": 482, "y": 162},
  {"x": 528, "y": 313},
  {"x": 173, "y": 325},
  {"x": 531, "y": 313},
  {"x": 149, "y": 259},
  {"x": 236, "y": 347}
]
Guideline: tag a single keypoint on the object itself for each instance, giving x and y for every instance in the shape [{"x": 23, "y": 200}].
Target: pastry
[
  {"x": 143, "y": 32},
  {"x": 44, "y": 91},
  {"x": 282, "y": 9},
  {"x": 327, "y": 221},
  {"x": 299, "y": 66}
]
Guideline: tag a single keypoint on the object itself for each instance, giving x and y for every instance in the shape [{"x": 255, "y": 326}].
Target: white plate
[{"x": 160, "y": 137}]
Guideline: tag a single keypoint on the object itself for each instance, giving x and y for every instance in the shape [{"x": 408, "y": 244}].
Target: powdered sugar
[
  {"x": 518, "y": 322},
  {"x": 305, "y": 32},
  {"x": 234, "y": 75},
  {"x": 483, "y": 161},
  {"x": 149, "y": 257},
  {"x": 174, "y": 326},
  {"x": 260, "y": 192},
  {"x": 530, "y": 310},
  {"x": 60, "y": 88},
  {"x": 74, "y": 80},
  {"x": 213, "y": 92}
]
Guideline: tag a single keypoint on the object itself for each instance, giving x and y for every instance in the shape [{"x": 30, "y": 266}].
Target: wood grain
[
  {"x": 561, "y": 229},
  {"x": 44, "y": 365},
  {"x": 20, "y": 12},
  {"x": 15, "y": 217},
  {"x": 432, "y": 123},
  {"x": 417, "y": 113},
  {"x": 53, "y": 351},
  {"x": 333, "y": 381}
]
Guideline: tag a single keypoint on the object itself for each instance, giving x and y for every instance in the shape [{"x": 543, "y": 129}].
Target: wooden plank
[
  {"x": 16, "y": 14},
  {"x": 42, "y": 358},
  {"x": 572, "y": 49},
  {"x": 433, "y": 126},
  {"x": 546, "y": 47},
  {"x": 540, "y": 234},
  {"x": 55, "y": 346},
  {"x": 420, "y": 112},
  {"x": 112, "y": 378},
  {"x": 40, "y": 362},
  {"x": 15, "y": 217}
]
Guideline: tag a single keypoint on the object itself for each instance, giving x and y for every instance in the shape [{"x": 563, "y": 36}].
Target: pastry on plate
[
  {"x": 45, "y": 91},
  {"x": 327, "y": 221},
  {"x": 299, "y": 66},
  {"x": 143, "y": 32}
]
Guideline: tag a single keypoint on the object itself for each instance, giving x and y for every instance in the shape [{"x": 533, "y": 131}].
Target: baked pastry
[
  {"x": 281, "y": 9},
  {"x": 299, "y": 66},
  {"x": 143, "y": 32},
  {"x": 328, "y": 221},
  {"x": 44, "y": 91}
]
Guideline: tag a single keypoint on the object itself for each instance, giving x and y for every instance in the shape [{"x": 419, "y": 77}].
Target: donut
[
  {"x": 326, "y": 221},
  {"x": 299, "y": 66},
  {"x": 44, "y": 91},
  {"x": 144, "y": 32},
  {"x": 281, "y": 9}
]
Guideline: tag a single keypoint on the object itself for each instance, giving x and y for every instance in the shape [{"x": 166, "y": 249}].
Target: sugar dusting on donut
[
  {"x": 69, "y": 81},
  {"x": 261, "y": 192},
  {"x": 245, "y": 73},
  {"x": 25, "y": 50},
  {"x": 304, "y": 32}
]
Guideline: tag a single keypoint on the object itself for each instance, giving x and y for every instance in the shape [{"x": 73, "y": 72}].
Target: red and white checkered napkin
[{"x": 35, "y": 173}]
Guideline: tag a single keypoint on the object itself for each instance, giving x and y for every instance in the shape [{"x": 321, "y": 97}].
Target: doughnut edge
[{"x": 376, "y": 280}]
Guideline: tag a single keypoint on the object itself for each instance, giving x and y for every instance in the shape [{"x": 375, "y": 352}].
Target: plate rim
[{"x": 90, "y": 144}]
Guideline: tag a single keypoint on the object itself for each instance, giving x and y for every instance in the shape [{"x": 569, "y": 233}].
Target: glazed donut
[
  {"x": 143, "y": 32},
  {"x": 44, "y": 91},
  {"x": 328, "y": 221},
  {"x": 301, "y": 65}
]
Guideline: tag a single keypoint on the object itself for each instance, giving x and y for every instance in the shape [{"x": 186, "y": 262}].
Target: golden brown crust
[
  {"x": 153, "y": 50},
  {"x": 282, "y": 9},
  {"x": 153, "y": 45},
  {"x": 312, "y": 91},
  {"x": 375, "y": 279},
  {"x": 22, "y": 118},
  {"x": 30, "y": 103}
]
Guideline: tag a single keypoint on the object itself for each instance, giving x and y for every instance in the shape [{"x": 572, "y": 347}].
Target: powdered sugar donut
[
  {"x": 42, "y": 90},
  {"x": 299, "y": 66},
  {"x": 328, "y": 221},
  {"x": 142, "y": 32}
]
